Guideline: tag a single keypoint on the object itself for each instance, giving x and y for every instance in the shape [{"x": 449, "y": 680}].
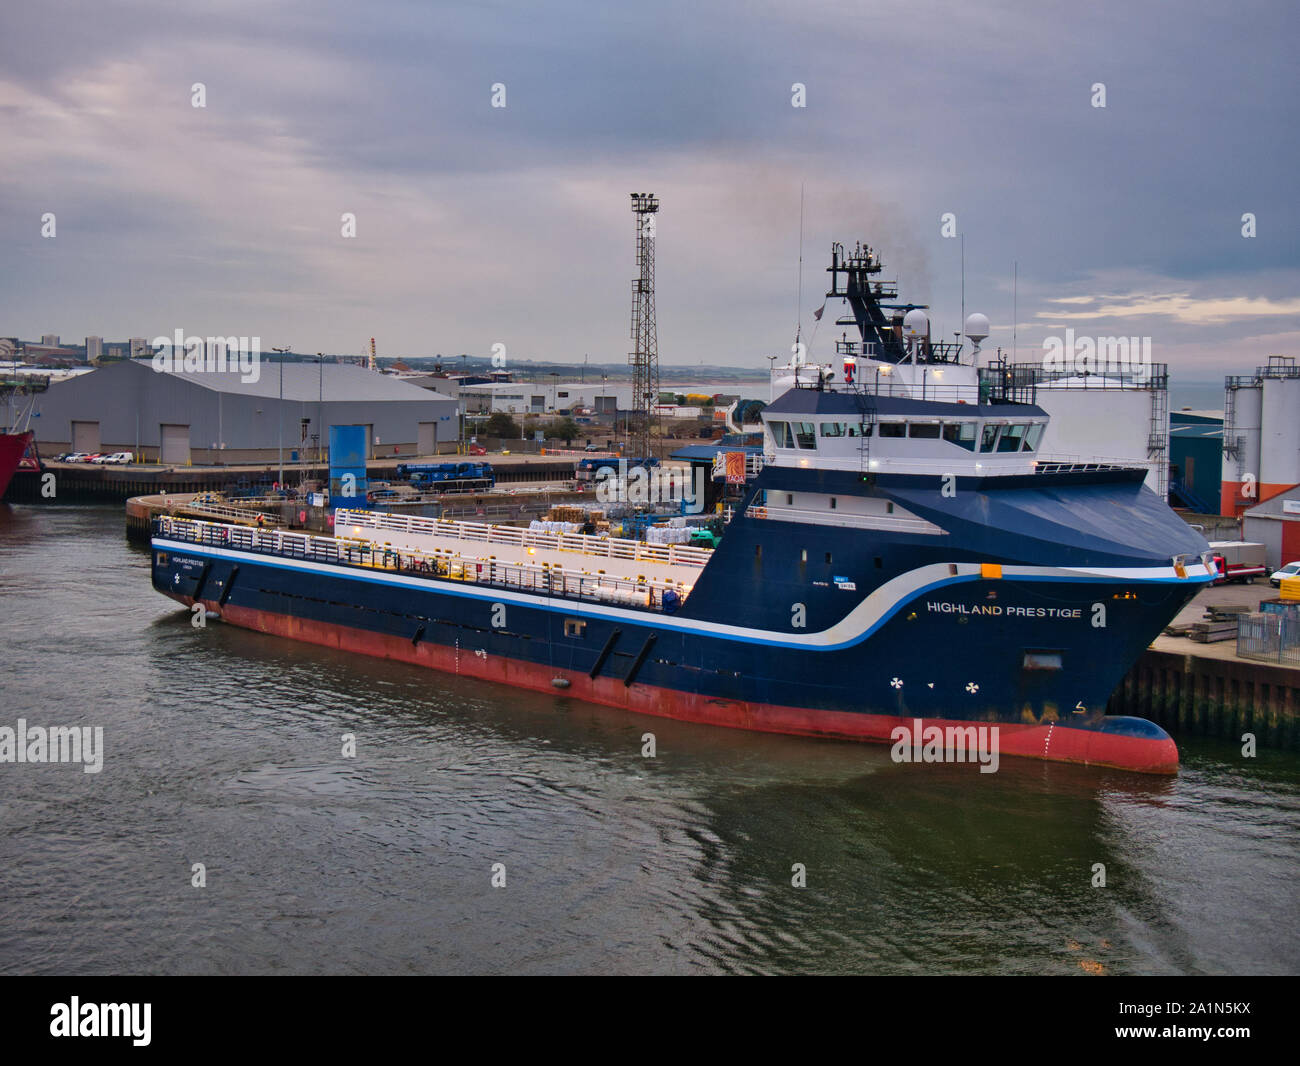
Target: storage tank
[
  {"x": 1245, "y": 402},
  {"x": 1103, "y": 419},
  {"x": 1279, "y": 436}
]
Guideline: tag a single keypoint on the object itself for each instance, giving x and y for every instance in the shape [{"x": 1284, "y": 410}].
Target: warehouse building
[
  {"x": 1275, "y": 523},
  {"x": 209, "y": 416},
  {"x": 1195, "y": 460}
]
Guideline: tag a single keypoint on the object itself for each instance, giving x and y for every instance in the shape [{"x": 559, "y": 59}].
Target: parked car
[
  {"x": 91, "y": 457},
  {"x": 1290, "y": 570},
  {"x": 592, "y": 448},
  {"x": 477, "y": 449},
  {"x": 116, "y": 459},
  {"x": 74, "y": 457}
]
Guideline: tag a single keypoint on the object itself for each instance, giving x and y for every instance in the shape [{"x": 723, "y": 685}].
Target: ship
[
  {"x": 15, "y": 452},
  {"x": 903, "y": 559},
  {"x": 17, "y": 442}
]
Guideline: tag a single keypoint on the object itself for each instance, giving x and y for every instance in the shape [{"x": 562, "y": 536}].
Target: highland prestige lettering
[{"x": 997, "y": 609}]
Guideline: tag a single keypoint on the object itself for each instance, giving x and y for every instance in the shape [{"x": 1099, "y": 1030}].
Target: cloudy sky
[{"x": 479, "y": 225}]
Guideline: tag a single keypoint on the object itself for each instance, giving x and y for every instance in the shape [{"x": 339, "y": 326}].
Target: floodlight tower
[{"x": 645, "y": 355}]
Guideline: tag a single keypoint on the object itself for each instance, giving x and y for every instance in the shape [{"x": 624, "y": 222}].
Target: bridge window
[
  {"x": 1035, "y": 434},
  {"x": 805, "y": 433},
  {"x": 893, "y": 429},
  {"x": 834, "y": 429},
  {"x": 961, "y": 434},
  {"x": 781, "y": 435},
  {"x": 990, "y": 437},
  {"x": 1012, "y": 437},
  {"x": 924, "y": 431}
]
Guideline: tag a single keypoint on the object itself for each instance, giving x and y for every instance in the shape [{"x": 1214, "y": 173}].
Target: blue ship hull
[{"x": 1026, "y": 613}]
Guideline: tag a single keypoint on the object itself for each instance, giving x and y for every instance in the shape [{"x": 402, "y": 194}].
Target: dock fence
[{"x": 1270, "y": 637}]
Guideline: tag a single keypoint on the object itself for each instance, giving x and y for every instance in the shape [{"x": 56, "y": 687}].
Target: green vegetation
[{"x": 502, "y": 425}]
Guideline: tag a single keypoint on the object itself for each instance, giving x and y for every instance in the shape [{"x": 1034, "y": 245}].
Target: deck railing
[
  {"x": 359, "y": 523},
  {"x": 545, "y": 578},
  {"x": 220, "y": 510}
]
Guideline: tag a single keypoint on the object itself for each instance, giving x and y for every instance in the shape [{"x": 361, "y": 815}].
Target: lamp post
[
  {"x": 279, "y": 414},
  {"x": 320, "y": 405}
]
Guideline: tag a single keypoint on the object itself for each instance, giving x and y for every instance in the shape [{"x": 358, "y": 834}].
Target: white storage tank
[
  {"x": 1247, "y": 408},
  {"x": 1279, "y": 435},
  {"x": 1098, "y": 418}
]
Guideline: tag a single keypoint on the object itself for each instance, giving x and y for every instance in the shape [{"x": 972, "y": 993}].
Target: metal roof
[
  {"x": 1272, "y": 507},
  {"x": 307, "y": 382},
  {"x": 1197, "y": 429}
]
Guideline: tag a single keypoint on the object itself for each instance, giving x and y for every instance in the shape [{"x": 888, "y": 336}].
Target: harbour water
[{"x": 225, "y": 748}]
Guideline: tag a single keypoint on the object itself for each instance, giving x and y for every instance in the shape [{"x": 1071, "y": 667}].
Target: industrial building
[
  {"x": 1261, "y": 435},
  {"x": 524, "y": 397},
  {"x": 1195, "y": 460},
  {"x": 217, "y": 416},
  {"x": 1276, "y": 525}
]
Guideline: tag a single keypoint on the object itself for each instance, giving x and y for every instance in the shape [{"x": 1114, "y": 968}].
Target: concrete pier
[
  {"x": 91, "y": 483},
  {"x": 1197, "y": 689}
]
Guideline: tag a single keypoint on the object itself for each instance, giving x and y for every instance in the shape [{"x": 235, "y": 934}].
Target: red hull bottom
[
  {"x": 12, "y": 447},
  {"x": 1050, "y": 742}
]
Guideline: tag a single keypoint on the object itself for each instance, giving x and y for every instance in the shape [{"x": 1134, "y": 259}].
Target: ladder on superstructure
[{"x": 1158, "y": 437}]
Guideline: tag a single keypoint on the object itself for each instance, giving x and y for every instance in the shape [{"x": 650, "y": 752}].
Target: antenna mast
[
  {"x": 798, "y": 303},
  {"x": 1015, "y": 305},
  {"x": 645, "y": 355}
]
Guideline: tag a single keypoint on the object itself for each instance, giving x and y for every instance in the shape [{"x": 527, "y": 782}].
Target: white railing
[
  {"x": 358, "y": 523},
  {"x": 1091, "y": 461},
  {"x": 982, "y": 464},
  {"x": 219, "y": 510},
  {"x": 545, "y": 578}
]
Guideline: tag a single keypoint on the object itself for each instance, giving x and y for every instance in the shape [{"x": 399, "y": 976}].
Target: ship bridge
[{"x": 850, "y": 430}]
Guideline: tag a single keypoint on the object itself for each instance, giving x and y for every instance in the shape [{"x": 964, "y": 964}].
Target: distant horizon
[{"x": 484, "y": 364}]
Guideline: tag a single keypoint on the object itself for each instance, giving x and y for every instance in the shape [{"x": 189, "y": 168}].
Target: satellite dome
[
  {"x": 977, "y": 327},
  {"x": 915, "y": 324}
]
